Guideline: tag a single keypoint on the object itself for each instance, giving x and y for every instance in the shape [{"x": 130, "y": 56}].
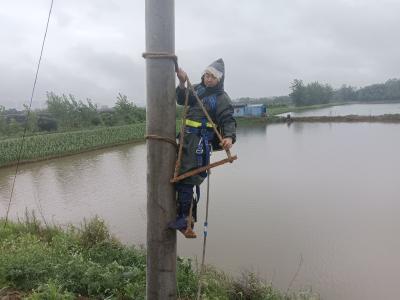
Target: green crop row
[{"x": 58, "y": 144}]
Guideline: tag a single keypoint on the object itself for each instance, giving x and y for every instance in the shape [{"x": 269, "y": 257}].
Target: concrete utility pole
[{"x": 161, "y": 207}]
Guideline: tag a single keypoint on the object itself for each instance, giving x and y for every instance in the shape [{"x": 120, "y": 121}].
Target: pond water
[
  {"x": 349, "y": 109},
  {"x": 322, "y": 195}
]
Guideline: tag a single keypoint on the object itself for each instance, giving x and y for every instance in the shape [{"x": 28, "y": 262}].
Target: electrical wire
[{"x": 28, "y": 113}]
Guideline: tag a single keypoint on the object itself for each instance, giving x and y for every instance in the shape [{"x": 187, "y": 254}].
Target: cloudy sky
[{"x": 93, "y": 48}]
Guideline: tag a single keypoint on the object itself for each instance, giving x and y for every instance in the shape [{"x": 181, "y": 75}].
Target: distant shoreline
[
  {"x": 387, "y": 118},
  {"x": 57, "y": 145}
]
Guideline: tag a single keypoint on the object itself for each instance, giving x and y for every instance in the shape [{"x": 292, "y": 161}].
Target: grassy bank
[
  {"x": 45, "y": 146},
  {"x": 41, "y": 262},
  {"x": 273, "y": 111}
]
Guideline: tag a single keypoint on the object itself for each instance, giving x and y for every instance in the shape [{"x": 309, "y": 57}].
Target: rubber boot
[{"x": 185, "y": 198}]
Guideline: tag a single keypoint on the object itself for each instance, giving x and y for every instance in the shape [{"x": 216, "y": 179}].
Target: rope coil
[
  {"x": 161, "y": 138},
  {"x": 160, "y": 55}
]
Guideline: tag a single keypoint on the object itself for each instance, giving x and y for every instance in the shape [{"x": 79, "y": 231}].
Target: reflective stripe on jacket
[{"x": 196, "y": 124}]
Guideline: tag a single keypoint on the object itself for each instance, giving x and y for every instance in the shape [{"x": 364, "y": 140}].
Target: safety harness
[
  {"x": 204, "y": 149},
  {"x": 205, "y": 132}
]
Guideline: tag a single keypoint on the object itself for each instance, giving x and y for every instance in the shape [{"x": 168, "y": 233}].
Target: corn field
[{"x": 57, "y": 144}]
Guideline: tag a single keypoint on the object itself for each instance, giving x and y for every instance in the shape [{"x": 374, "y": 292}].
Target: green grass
[
  {"x": 316, "y": 106},
  {"x": 273, "y": 111},
  {"x": 42, "y": 262},
  {"x": 46, "y": 146}
]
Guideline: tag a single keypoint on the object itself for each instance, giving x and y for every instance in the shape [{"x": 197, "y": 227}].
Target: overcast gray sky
[{"x": 94, "y": 48}]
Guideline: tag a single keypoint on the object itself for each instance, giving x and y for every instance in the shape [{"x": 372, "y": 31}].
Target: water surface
[
  {"x": 350, "y": 109},
  {"x": 329, "y": 193}
]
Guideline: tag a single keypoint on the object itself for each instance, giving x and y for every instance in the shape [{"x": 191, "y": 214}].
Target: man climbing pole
[{"x": 199, "y": 139}]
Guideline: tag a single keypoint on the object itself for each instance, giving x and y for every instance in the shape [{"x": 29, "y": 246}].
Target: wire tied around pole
[
  {"x": 160, "y": 138},
  {"x": 160, "y": 55}
]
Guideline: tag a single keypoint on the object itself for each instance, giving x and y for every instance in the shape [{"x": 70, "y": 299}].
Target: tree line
[
  {"x": 317, "y": 93},
  {"x": 66, "y": 113}
]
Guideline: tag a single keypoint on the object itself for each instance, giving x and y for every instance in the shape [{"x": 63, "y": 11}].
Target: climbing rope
[
  {"x": 182, "y": 132},
  {"x": 160, "y": 138},
  {"x": 203, "y": 257},
  {"x": 28, "y": 113}
]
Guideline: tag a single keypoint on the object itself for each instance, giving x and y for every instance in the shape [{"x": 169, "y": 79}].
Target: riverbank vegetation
[
  {"x": 280, "y": 109},
  {"x": 65, "y": 113},
  {"x": 52, "y": 145},
  {"x": 45, "y": 146},
  {"x": 316, "y": 93},
  {"x": 47, "y": 262},
  {"x": 68, "y": 126}
]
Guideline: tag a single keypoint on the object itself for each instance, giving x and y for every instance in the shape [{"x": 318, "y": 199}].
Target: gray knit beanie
[{"x": 217, "y": 68}]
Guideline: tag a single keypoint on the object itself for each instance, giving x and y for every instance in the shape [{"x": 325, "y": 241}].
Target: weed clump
[
  {"x": 94, "y": 232},
  {"x": 46, "y": 262}
]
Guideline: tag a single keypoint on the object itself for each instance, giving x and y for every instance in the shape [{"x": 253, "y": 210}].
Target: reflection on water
[
  {"x": 253, "y": 130},
  {"x": 350, "y": 109},
  {"x": 326, "y": 192},
  {"x": 110, "y": 183}
]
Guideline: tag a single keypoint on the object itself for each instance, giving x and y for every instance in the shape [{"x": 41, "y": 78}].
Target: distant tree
[
  {"x": 374, "y": 92},
  {"x": 14, "y": 127},
  {"x": 89, "y": 113},
  {"x": 47, "y": 124},
  {"x": 298, "y": 93},
  {"x": 312, "y": 93},
  {"x": 31, "y": 119},
  {"x": 316, "y": 93},
  {"x": 108, "y": 118},
  {"x": 392, "y": 89},
  {"x": 61, "y": 109},
  {"x": 281, "y": 100},
  {"x": 127, "y": 112},
  {"x": 71, "y": 113},
  {"x": 3, "y": 121},
  {"x": 345, "y": 93}
]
